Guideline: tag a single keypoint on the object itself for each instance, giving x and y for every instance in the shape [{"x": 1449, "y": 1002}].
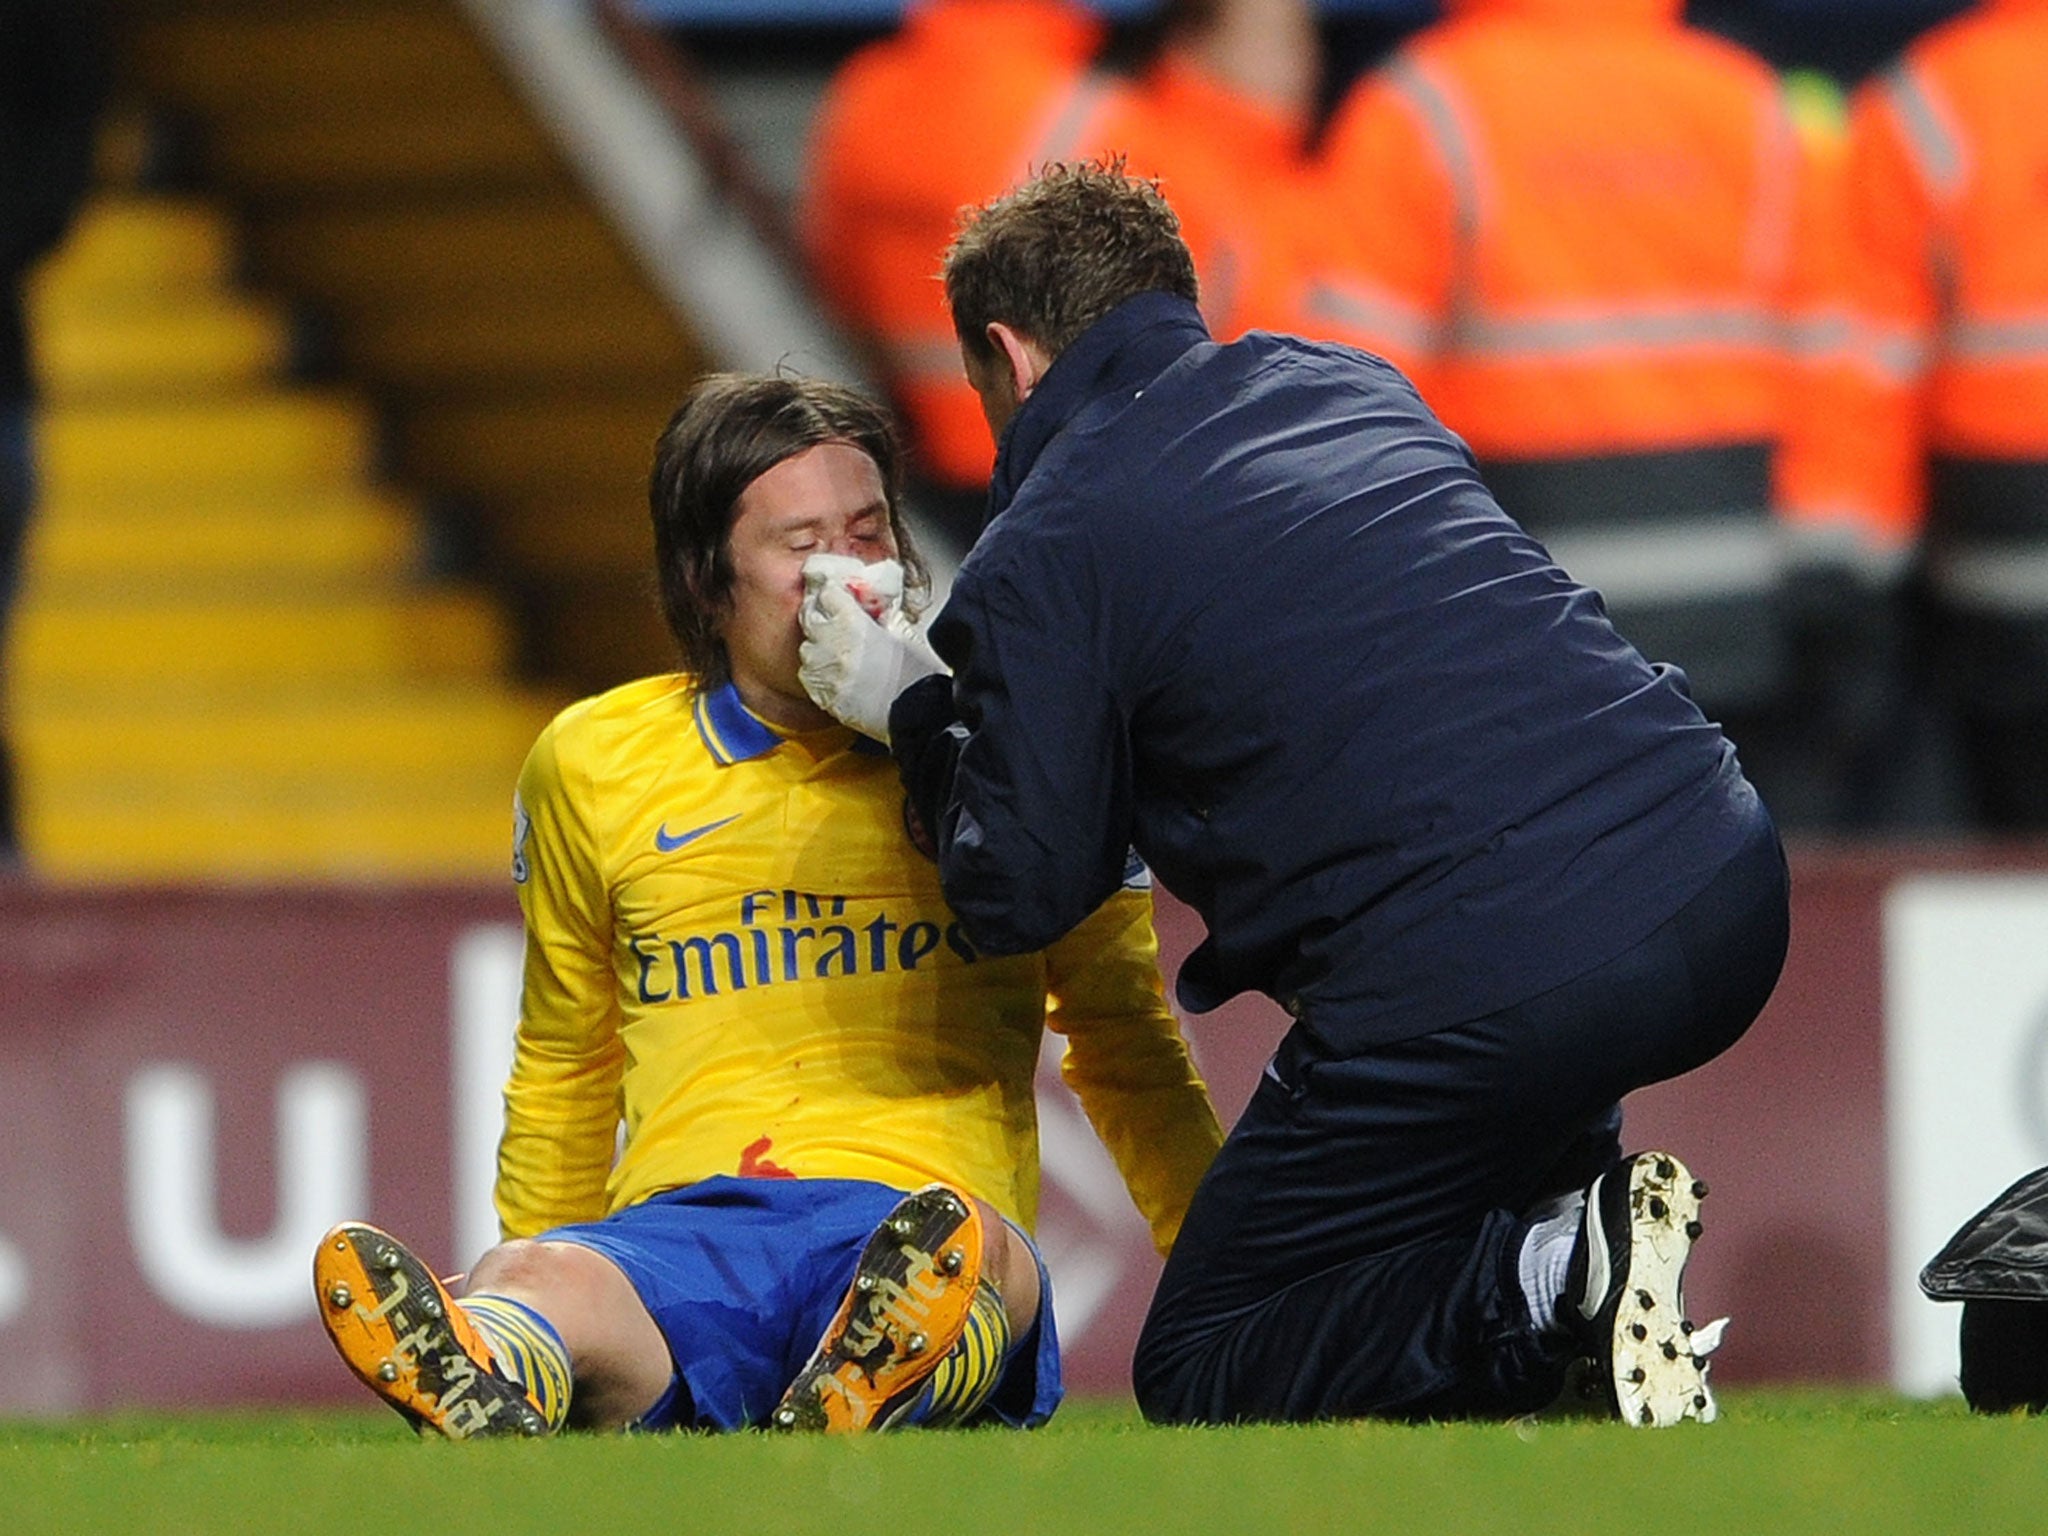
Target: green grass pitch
[{"x": 1778, "y": 1462}]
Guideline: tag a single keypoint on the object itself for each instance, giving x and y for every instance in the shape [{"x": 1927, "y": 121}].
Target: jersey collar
[
  {"x": 734, "y": 734},
  {"x": 731, "y": 733}
]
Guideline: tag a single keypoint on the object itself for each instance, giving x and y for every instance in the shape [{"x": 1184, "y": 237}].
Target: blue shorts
[{"x": 743, "y": 1276}]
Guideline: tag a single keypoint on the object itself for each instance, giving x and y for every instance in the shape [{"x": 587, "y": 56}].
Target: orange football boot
[
  {"x": 906, "y": 1308},
  {"x": 405, "y": 1338}
]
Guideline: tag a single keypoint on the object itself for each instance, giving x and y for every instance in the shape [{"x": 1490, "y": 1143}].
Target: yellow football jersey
[{"x": 737, "y": 963}]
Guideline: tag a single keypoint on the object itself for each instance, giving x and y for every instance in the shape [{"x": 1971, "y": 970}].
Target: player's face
[{"x": 825, "y": 500}]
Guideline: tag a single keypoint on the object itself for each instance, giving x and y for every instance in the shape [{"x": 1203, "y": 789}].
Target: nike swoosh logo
[{"x": 668, "y": 844}]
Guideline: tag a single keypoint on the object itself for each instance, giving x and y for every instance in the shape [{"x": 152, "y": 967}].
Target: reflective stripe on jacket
[
  {"x": 962, "y": 104},
  {"x": 946, "y": 112},
  {"x": 1574, "y": 225},
  {"x": 1249, "y": 609},
  {"x": 1947, "y": 206}
]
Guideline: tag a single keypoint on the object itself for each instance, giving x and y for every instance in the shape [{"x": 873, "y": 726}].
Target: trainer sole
[
  {"x": 1657, "y": 1378},
  {"x": 912, "y": 1288},
  {"x": 389, "y": 1318}
]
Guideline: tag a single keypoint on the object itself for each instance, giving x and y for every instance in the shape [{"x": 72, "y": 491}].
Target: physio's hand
[
  {"x": 860, "y": 650},
  {"x": 879, "y": 587}
]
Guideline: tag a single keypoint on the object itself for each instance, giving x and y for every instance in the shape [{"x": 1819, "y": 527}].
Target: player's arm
[
  {"x": 1127, "y": 1061},
  {"x": 1021, "y": 764},
  {"x": 562, "y": 1102}
]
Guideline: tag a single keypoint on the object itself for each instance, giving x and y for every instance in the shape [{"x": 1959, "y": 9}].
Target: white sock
[{"x": 1546, "y": 1257}]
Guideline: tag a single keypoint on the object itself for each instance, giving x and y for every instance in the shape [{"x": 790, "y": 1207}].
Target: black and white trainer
[{"x": 1624, "y": 1292}]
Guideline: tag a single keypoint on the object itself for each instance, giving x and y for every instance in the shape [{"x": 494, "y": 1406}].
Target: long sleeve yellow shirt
[{"x": 737, "y": 963}]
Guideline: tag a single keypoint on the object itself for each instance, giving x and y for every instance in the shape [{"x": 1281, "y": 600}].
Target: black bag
[{"x": 1997, "y": 1267}]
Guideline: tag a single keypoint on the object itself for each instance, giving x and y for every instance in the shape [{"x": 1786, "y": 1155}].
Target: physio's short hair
[
  {"x": 1053, "y": 256},
  {"x": 731, "y": 429}
]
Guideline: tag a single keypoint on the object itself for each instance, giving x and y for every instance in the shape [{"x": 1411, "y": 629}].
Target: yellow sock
[
  {"x": 524, "y": 1348},
  {"x": 968, "y": 1374}
]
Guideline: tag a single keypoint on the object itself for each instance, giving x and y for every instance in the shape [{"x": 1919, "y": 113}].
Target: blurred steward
[
  {"x": 971, "y": 95},
  {"x": 52, "y": 85},
  {"x": 1945, "y": 420},
  {"x": 1582, "y": 228}
]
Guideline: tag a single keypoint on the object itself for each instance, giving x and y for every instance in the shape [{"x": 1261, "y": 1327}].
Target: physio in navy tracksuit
[{"x": 1249, "y": 610}]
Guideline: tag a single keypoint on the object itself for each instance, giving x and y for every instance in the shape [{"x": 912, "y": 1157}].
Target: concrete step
[
  {"x": 129, "y": 245},
  {"x": 269, "y": 62},
  {"x": 555, "y": 538},
  {"x": 367, "y": 148},
  {"x": 160, "y": 544},
  {"x": 448, "y": 351},
  {"x": 346, "y": 100},
  {"x": 513, "y": 247},
  {"x": 188, "y": 345},
  {"x": 255, "y": 644},
  {"x": 545, "y": 445},
  {"x": 407, "y": 741},
  {"x": 156, "y": 545},
  {"x": 120, "y": 840},
  {"x": 608, "y": 623},
  {"x": 274, "y": 441}
]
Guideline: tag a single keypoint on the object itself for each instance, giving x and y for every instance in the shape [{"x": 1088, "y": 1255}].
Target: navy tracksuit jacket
[{"x": 1249, "y": 609}]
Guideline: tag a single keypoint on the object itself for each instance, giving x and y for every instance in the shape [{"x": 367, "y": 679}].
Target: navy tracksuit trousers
[{"x": 1354, "y": 1248}]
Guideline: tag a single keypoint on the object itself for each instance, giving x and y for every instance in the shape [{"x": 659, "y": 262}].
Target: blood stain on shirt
[{"x": 754, "y": 1163}]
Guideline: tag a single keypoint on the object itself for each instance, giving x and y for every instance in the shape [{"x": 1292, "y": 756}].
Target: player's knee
[
  {"x": 1009, "y": 1263},
  {"x": 529, "y": 1269},
  {"x": 504, "y": 1263}
]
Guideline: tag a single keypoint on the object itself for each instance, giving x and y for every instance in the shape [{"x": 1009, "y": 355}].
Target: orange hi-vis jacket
[
  {"x": 1573, "y": 223},
  {"x": 1947, "y": 202},
  {"x": 961, "y": 104},
  {"x": 947, "y": 112},
  {"x": 1234, "y": 171}
]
